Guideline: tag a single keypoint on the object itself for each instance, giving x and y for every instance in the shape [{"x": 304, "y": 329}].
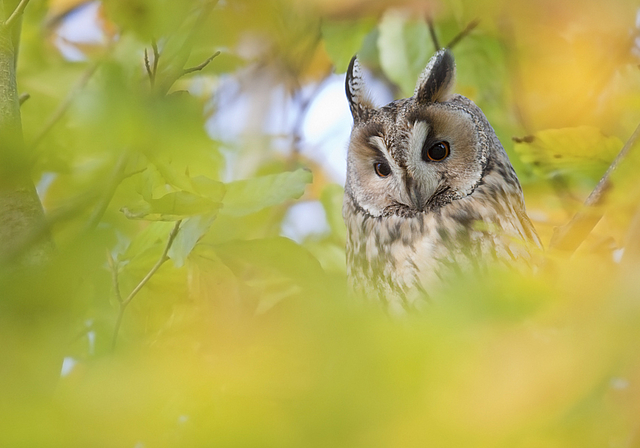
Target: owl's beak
[
  {"x": 415, "y": 194},
  {"x": 417, "y": 200}
]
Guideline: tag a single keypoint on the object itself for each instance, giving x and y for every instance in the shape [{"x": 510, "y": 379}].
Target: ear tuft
[
  {"x": 437, "y": 79},
  {"x": 359, "y": 103}
]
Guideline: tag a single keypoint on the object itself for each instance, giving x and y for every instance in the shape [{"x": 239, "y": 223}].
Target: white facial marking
[
  {"x": 418, "y": 135},
  {"x": 378, "y": 142}
]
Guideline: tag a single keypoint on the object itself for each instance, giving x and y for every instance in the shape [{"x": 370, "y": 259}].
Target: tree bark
[{"x": 24, "y": 233}]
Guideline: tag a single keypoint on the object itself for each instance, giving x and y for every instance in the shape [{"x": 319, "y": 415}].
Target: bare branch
[
  {"x": 462, "y": 34},
  {"x": 567, "y": 238},
  {"x": 432, "y": 32},
  {"x": 199, "y": 67},
  {"x": 163, "y": 258},
  {"x": 15, "y": 15}
]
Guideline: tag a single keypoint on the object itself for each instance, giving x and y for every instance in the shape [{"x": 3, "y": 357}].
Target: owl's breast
[
  {"x": 388, "y": 257},
  {"x": 399, "y": 260}
]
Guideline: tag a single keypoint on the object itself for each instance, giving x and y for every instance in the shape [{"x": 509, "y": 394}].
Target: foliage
[{"x": 184, "y": 317}]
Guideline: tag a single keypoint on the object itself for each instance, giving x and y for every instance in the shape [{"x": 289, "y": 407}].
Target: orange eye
[
  {"x": 437, "y": 152},
  {"x": 382, "y": 169}
]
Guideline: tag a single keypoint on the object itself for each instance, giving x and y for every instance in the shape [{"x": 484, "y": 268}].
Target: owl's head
[{"x": 420, "y": 153}]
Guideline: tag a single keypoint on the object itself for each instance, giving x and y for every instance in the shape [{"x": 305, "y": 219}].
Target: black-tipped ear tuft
[
  {"x": 437, "y": 79},
  {"x": 359, "y": 103}
]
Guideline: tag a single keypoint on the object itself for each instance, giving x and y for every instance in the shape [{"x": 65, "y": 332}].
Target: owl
[{"x": 430, "y": 192}]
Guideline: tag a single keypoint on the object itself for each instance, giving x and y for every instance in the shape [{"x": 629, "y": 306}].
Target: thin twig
[
  {"x": 199, "y": 67},
  {"x": 163, "y": 258},
  {"x": 156, "y": 57},
  {"x": 147, "y": 66},
  {"x": 568, "y": 237},
  {"x": 432, "y": 32},
  {"x": 23, "y": 97},
  {"x": 15, "y": 15},
  {"x": 462, "y": 34}
]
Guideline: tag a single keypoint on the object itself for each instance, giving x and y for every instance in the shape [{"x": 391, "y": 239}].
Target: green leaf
[
  {"x": 152, "y": 235},
  {"x": 190, "y": 233},
  {"x": 249, "y": 196},
  {"x": 149, "y": 18},
  {"x": 343, "y": 39},
  {"x": 272, "y": 258},
  {"x": 405, "y": 48},
  {"x": 172, "y": 207}
]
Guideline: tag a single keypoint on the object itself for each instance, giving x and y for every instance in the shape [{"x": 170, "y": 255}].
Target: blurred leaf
[
  {"x": 210, "y": 280},
  {"x": 149, "y": 18},
  {"x": 172, "y": 207},
  {"x": 249, "y": 196},
  {"x": 405, "y": 48},
  {"x": 265, "y": 257},
  {"x": 248, "y": 339},
  {"x": 342, "y": 40},
  {"x": 583, "y": 150},
  {"x": 331, "y": 198}
]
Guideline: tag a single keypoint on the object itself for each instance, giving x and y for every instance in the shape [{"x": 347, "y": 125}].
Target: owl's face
[{"x": 416, "y": 154}]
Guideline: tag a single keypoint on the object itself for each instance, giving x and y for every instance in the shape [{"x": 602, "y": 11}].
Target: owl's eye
[
  {"x": 382, "y": 169},
  {"x": 436, "y": 153}
]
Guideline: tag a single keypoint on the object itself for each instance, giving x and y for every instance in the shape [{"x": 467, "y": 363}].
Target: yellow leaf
[{"x": 584, "y": 149}]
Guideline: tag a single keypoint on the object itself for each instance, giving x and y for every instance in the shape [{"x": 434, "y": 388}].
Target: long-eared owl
[{"x": 430, "y": 191}]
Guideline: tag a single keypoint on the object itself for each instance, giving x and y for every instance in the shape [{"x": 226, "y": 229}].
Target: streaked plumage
[{"x": 413, "y": 216}]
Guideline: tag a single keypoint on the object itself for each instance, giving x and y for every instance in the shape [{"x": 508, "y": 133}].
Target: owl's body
[{"x": 430, "y": 191}]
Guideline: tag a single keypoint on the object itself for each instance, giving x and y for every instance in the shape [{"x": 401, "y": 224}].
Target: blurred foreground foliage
[{"x": 242, "y": 337}]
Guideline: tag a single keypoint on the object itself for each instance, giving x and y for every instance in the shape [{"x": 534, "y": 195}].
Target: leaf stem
[
  {"x": 462, "y": 34},
  {"x": 432, "y": 33},
  {"x": 123, "y": 303},
  {"x": 199, "y": 67},
  {"x": 15, "y": 15}
]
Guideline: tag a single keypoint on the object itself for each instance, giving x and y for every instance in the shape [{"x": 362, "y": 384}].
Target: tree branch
[
  {"x": 432, "y": 33},
  {"x": 15, "y": 15},
  {"x": 462, "y": 34},
  {"x": 20, "y": 207},
  {"x": 199, "y": 67},
  {"x": 123, "y": 303},
  {"x": 567, "y": 238}
]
